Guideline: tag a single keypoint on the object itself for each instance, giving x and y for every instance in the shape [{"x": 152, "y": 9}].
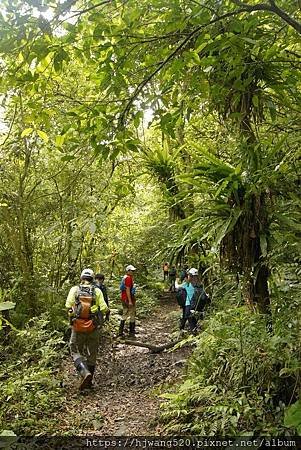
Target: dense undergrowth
[
  {"x": 30, "y": 389},
  {"x": 242, "y": 377}
]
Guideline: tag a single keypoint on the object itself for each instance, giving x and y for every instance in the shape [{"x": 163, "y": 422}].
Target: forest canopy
[{"x": 151, "y": 131}]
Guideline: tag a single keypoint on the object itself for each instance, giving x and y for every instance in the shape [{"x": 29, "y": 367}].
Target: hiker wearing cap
[
  {"x": 195, "y": 300},
  {"x": 86, "y": 306},
  {"x": 127, "y": 294},
  {"x": 165, "y": 271}
]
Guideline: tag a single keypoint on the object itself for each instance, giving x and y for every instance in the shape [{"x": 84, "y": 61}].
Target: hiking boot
[
  {"x": 132, "y": 330},
  {"x": 91, "y": 370},
  {"x": 182, "y": 323},
  {"x": 86, "y": 376},
  {"x": 121, "y": 329}
]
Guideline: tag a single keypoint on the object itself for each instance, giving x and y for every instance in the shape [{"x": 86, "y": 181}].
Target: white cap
[
  {"x": 87, "y": 273},
  {"x": 193, "y": 271},
  {"x": 130, "y": 267}
]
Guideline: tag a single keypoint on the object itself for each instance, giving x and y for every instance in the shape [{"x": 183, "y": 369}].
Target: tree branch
[
  {"x": 151, "y": 347},
  {"x": 273, "y": 8},
  {"x": 140, "y": 86}
]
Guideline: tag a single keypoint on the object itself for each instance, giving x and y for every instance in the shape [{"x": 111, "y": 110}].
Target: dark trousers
[
  {"x": 172, "y": 286},
  {"x": 187, "y": 316}
]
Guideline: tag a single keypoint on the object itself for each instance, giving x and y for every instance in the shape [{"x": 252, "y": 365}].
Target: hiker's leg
[
  {"x": 192, "y": 323},
  {"x": 76, "y": 344},
  {"x": 125, "y": 312},
  {"x": 121, "y": 328},
  {"x": 132, "y": 314},
  {"x": 92, "y": 347},
  {"x": 92, "y": 350},
  {"x": 183, "y": 319}
]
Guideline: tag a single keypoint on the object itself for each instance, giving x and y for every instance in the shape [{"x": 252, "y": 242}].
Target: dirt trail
[{"x": 124, "y": 402}]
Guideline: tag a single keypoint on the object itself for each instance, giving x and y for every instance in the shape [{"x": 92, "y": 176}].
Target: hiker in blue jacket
[
  {"x": 192, "y": 278},
  {"x": 195, "y": 298}
]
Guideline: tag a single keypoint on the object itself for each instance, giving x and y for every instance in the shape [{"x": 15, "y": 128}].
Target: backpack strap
[
  {"x": 93, "y": 293},
  {"x": 77, "y": 295}
]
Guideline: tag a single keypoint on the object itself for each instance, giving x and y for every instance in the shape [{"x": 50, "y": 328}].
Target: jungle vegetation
[{"x": 150, "y": 131}]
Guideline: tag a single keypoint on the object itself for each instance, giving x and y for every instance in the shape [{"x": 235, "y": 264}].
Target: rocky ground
[{"x": 128, "y": 379}]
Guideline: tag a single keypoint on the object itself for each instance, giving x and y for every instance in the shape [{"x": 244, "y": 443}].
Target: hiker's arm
[
  {"x": 179, "y": 285},
  {"x": 71, "y": 297},
  {"x": 128, "y": 294}
]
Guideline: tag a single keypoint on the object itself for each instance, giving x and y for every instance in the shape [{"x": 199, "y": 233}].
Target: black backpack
[
  {"x": 200, "y": 299},
  {"x": 181, "y": 295}
]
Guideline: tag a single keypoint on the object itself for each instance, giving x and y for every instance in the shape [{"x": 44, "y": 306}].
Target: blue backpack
[{"x": 122, "y": 286}]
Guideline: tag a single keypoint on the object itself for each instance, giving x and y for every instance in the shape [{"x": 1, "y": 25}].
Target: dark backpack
[
  {"x": 173, "y": 272},
  {"x": 181, "y": 295},
  {"x": 200, "y": 299}
]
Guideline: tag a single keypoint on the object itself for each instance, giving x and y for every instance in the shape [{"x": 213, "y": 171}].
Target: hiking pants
[
  {"x": 188, "y": 316},
  {"x": 172, "y": 286},
  {"x": 128, "y": 311},
  {"x": 84, "y": 345}
]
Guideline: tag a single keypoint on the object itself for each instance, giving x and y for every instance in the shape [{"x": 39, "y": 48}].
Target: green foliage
[
  {"x": 292, "y": 417},
  {"x": 30, "y": 390},
  {"x": 222, "y": 146},
  {"x": 235, "y": 381}
]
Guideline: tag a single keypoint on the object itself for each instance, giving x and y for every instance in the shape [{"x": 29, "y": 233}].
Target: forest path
[{"x": 124, "y": 401}]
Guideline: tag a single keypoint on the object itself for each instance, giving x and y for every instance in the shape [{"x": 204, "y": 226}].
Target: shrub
[
  {"x": 29, "y": 389},
  {"x": 239, "y": 379}
]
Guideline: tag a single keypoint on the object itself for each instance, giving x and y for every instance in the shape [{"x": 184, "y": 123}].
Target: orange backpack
[{"x": 84, "y": 319}]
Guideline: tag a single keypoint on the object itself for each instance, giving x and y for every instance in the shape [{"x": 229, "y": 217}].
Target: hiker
[
  {"x": 165, "y": 271},
  {"x": 127, "y": 294},
  {"x": 172, "y": 278},
  {"x": 99, "y": 282},
  {"x": 194, "y": 300},
  {"x": 86, "y": 307}
]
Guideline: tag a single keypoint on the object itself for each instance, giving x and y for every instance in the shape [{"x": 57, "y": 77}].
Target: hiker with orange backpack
[{"x": 86, "y": 308}]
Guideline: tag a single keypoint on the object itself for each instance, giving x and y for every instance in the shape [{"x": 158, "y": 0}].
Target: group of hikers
[{"x": 88, "y": 306}]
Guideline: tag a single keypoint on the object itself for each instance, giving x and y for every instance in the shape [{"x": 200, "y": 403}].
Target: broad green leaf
[
  {"x": 255, "y": 100},
  {"x": 7, "y": 433},
  {"x": 292, "y": 416},
  {"x": 59, "y": 140},
  {"x": 263, "y": 244},
  {"x": 43, "y": 135},
  {"x": 26, "y": 132},
  {"x": 4, "y": 306}
]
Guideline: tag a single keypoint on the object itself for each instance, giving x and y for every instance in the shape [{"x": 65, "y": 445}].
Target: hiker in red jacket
[{"x": 127, "y": 294}]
